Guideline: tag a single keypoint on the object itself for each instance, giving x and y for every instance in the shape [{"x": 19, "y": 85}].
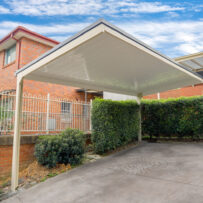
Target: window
[
  {"x": 85, "y": 110},
  {"x": 10, "y": 55},
  {"x": 66, "y": 111}
]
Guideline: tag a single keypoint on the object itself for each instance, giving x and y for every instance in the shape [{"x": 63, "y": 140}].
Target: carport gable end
[{"x": 106, "y": 58}]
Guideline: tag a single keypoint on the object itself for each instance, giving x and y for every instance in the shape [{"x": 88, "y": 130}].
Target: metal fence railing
[{"x": 43, "y": 115}]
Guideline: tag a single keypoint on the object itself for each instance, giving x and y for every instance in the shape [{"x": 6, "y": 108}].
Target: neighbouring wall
[
  {"x": 195, "y": 90},
  {"x": 6, "y": 150},
  {"x": 27, "y": 149}
]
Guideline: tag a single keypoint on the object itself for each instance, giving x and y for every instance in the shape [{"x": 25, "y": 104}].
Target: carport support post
[
  {"x": 139, "y": 97},
  {"x": 16, "y": 137}
]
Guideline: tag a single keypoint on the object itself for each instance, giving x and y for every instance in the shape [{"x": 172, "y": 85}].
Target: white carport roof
[{"x": 103, "y": 57}]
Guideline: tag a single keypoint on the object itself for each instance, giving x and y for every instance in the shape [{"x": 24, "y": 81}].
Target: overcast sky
[{"x": 173, "y": 27}]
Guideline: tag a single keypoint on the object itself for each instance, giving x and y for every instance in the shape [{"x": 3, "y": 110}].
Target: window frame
[
  {"x": 66, "y": 115},
  {"x": 7, "y": 52},
  {"x": 85, "y": 110}
]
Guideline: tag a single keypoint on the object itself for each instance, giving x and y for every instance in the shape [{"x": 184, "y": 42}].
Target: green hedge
[
  {"x": 173, "y": 117},
  {"x": 66, "y": 148},
  {"x": 115, "y": 123}
]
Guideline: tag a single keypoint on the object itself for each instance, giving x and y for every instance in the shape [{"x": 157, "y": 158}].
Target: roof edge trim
[{"x": 22, "y": 29}]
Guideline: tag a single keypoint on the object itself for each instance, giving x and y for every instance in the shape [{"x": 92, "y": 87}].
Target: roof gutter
[{"x": 10, "y": 35}]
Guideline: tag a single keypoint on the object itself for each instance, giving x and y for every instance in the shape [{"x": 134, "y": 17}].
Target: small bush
[
  {"x": 115, "y": 123},
  {"x": 47, "y": 150},
  {"x": 72, "y": 147},
  {"x": 66, "y": 148},
  {"x": 180, "y": 117}
]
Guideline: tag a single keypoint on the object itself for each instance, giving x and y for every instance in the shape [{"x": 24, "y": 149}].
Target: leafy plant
[
  {"x": 115, "y": 123},
  {"x": 47, "y": 150},
  {"x": 180, "y": 117},
  {"x": 66, "y": 148},
  {"x": 72, "y": 147}
]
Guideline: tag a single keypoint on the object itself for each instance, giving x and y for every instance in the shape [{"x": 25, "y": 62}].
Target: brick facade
[
  {"x": 196, "y": 90},
  {"x": 26, "y": 51},
  {"x": 8, "y": 79},
  {"x": 26, "y": 157}
]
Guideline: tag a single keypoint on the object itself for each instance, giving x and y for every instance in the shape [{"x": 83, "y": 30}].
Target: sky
[{"x": 172, "y": 27}]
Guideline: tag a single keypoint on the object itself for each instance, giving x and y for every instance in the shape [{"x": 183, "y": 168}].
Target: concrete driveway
[{"x": 147, "y": 173}]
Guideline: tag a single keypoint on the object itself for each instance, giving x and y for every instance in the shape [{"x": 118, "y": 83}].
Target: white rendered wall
[{"x": 117, "y": 97}]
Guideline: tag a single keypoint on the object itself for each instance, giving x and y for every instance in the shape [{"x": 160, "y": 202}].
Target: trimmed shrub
[
  {"x": 66, "y": 148},
  {"x": 72, "y": 147},
  {"x": 115, "y": 123},
  {"x": 47, "y": 150},
  {"x": 173, "y": 117}
]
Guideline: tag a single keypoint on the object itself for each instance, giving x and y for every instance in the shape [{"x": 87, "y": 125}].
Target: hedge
[
  {"x": 115, "y": 123},
  {"x": 66, "y": 148},
  {"x": 173, "y": 117}
]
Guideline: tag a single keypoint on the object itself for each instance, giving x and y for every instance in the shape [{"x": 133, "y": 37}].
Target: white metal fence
[{"x": 43, "y": 115}]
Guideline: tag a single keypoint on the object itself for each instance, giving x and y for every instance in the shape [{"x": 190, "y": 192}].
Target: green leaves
[
  {"x": 173, "y": 117},
  {"x": 115, "y": 123},
  {"x": 66, "y": 148}
]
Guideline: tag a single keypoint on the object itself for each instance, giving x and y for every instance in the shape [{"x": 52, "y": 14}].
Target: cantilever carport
[{"x": 101, "y": 57}]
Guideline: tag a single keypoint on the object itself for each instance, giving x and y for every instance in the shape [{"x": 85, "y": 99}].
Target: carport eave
[{"x": 98, "y": 87}]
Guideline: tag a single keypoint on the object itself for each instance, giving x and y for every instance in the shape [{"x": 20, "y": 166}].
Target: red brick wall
[
  {"x": 26, "y": 157},
  {"x": 7, "y": 77},
  {"x": 30, "y": 50},
  {"x": 196, "y": 90}
]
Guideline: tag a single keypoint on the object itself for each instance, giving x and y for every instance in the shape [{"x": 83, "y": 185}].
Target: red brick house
[
  {"x": 17, "y": 49},
  {"x": 22, "y": 46}
]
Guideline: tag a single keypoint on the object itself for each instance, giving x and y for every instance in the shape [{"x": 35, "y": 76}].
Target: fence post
[
  {"x": 47, "y": 118},
  {"x": 91, "y": 115}
]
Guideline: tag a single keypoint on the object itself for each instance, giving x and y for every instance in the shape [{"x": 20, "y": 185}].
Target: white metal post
[
  {"x": 47, "y": 118},
  {"x": 16, "y": 137},
  {"x": 139, "y": 97},
  {"x": 85, "y": 112},
  {"x": 158, "y": 95},
  {"x": 91, "y": 115}
]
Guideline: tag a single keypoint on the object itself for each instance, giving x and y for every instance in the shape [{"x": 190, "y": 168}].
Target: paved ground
[{"x": 147, "y": 173}]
